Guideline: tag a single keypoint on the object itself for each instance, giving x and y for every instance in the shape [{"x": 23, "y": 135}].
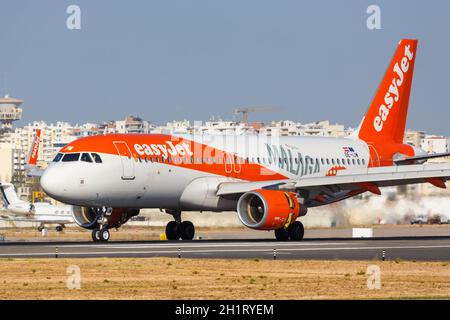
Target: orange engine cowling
[{"x": 267, "y": 209}]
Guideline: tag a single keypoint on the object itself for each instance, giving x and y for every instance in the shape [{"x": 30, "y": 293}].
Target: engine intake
[
  {"x": 88, "y": 217},
  {"x": 267, "y": 209}
]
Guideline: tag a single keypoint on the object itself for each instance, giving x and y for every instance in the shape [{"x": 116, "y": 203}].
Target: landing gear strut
[
  {"x": 294, "y": 232},
  {"x": 102, "y": 234},
  {"x": 178, "y": 229}
]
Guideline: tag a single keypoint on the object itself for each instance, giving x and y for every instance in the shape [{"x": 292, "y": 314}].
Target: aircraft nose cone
[{"x": 51, "y": 183}]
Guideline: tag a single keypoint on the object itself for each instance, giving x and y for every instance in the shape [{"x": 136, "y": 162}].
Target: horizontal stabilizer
[{"x": 421, "y": 157}]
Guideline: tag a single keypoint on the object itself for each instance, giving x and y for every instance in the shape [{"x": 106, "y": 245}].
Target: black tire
[
  {"x": 296, "y": 231},
  {"x": 187, "y": 230},
  {"x": 104, "y": 235},
  {"x": 59, "y": 228},
  {"x": 40, "y": 229},
  {"x": 96, "y": 235},
  {"x": 172, "y": 231},
  {"x": 282, "y": 234}
]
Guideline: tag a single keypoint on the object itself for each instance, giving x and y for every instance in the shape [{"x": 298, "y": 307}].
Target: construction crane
[{"x": 245, "y": 111}]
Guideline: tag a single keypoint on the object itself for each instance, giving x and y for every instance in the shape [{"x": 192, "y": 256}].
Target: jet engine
[
  {"x": 91, "y": 218},
  {"x": 267, "y": 209}
]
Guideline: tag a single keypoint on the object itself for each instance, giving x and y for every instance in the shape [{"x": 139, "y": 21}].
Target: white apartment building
[
  {"x": 435, "y": 144},
  {"x": 291, "y": 128}
]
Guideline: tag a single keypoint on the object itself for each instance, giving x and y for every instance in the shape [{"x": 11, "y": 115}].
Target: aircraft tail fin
[
  {"x": 34, "y": 150},
  {"x": 8, "y": 192},
  {"x": 385, "y": 120}
]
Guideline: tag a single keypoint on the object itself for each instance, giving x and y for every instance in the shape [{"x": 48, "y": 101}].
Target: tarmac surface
[{"x": 425, "y": 248}]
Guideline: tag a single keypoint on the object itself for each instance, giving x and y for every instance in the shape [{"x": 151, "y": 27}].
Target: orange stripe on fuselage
[{"x": 159, "y": 145}]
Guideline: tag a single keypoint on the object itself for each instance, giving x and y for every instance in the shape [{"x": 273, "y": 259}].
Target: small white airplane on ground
[{"x": 44, "y": 213}]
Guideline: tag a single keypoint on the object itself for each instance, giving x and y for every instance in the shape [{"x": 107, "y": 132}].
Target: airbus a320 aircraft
[{"x": 269, "y": 181}]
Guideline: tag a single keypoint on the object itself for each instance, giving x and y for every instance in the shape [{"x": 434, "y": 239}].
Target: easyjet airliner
[{"x": 269, "y": 181}]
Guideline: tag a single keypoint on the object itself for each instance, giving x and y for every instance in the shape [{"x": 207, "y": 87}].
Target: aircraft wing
[
  {"x": 232, "y": 188},
  {"x": 369, "y": 180}
]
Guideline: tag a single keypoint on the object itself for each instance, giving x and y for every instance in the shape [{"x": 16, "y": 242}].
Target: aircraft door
[
  {"x": 373, "y": 157},
  {"x": 228, "y": 164},
  {"x": 126, "y": 158}
]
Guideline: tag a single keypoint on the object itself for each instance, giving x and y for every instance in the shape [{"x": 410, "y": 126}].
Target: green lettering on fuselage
[{"x": 292, "y": 161}]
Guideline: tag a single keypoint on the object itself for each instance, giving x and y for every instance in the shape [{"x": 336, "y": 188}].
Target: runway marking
[
  {"x": 175, "y": 252},
  {"x": 185, "y": 245}
]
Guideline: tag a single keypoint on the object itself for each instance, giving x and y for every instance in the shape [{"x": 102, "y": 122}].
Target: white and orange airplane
[{"x": 269, "y": 181}]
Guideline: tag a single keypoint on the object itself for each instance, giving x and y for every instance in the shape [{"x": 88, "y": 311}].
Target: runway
[{"x": 405, "y": 248}]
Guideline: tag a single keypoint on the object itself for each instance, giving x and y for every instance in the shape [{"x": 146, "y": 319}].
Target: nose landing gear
[
  {"x": 178, "y": 229},
  {"x": 102, "y": 234}
]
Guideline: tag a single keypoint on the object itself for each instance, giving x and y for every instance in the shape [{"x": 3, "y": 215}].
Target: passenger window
[
  {"x": 359, "y": 162},
  {"x": 71, "y": 157},
  {"x": 86, "y": 157},
  {"x": 338, "y": 161},
  {"x": 332, "y": 161},
  {"x": 328, "y": 161},
  {"x": 363, "y": 161},
  {"x": 96, "y": 158},
  {"x": 58, "y": 157}
]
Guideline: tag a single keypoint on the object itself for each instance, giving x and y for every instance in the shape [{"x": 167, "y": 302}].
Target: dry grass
[{"x": 165, "y": 278}]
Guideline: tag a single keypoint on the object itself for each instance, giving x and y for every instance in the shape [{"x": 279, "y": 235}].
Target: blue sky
[{"x": 194, "y": 59}]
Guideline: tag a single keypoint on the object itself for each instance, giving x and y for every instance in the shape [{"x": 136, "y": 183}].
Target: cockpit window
[
  {"x": 70, "y": 157},
  {"x": 96, "y": 158},
  {"x": 86, "y": 157},
  {"x": 58, "y": 157}
]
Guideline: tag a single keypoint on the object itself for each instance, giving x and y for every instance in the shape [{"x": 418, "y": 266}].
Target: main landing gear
[
  {"x": 102, "y": 234},
  {"x": 294, "y": 232},
  {"x": 178, "y": 229}
]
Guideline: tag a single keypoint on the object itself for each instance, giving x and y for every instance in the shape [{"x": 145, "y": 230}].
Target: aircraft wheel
[
  {"x": 96, "y": 235},
  {"x": 59, "y": 228},
  {"x": 187, "y": 230},
  {"x": 281, "y": 234},
  {"x": 296, "y": 231},
  {"x": 172, "y": 231},
  {"x": 104, "y": 235},
  {"x": 40, "y": 228}
]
